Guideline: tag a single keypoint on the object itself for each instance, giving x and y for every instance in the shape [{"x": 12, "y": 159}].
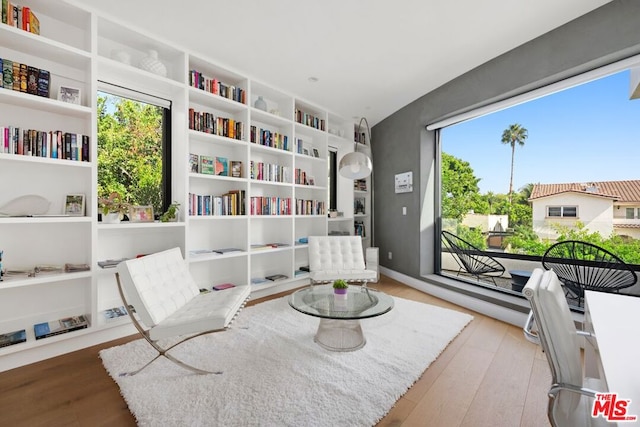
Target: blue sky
[{"x": 587, "y": 133}]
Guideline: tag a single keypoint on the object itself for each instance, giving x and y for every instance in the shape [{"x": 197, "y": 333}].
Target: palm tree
[
  {"x": 526, "y": 190},
  {"x": 514, "y": 134}
]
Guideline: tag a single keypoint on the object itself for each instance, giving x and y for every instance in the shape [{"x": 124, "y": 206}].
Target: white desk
[{"x": 615, "y": 321}]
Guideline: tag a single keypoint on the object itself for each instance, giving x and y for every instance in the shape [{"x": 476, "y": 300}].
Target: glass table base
[{"x": 340, "y": 335}]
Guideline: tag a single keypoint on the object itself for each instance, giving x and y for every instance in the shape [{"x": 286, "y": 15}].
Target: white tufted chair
[
  {"x": 168, "y": 302},
  {"x": 338, "y": 257}
]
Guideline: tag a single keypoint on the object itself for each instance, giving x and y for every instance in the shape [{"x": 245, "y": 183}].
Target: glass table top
[{"x": 360, "y": 303}]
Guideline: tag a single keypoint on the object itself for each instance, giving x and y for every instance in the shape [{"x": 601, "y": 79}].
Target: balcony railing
[{"x": 514, "y": 263}]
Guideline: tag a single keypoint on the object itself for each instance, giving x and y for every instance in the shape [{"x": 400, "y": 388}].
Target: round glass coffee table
[{"x": 339, "y": 328}]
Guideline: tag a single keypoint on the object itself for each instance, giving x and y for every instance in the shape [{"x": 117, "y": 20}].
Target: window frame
[
  {"x": 166, "y": 142},
  {"x": 562, "y": 211}
]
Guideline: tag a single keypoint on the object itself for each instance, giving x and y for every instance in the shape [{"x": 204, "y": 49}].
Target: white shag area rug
[{"x": 275, "y": 375}]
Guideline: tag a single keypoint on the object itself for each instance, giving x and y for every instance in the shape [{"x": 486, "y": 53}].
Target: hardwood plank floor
[{"x": 488, "y": 376}]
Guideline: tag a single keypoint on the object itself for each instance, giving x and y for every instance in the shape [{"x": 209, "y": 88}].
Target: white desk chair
[{"x": 571, "y": 395}]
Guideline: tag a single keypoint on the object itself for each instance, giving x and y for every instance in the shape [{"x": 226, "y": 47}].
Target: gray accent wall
[{"x": 401, "y": 143}]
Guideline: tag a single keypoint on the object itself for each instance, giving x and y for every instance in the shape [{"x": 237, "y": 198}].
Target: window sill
[{"x": 507, "y": 308}]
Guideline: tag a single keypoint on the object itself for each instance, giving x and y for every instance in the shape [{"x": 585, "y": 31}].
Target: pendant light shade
[{"x": 355, "y": 165}]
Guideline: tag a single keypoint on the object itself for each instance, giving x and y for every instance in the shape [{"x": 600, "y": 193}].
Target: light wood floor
[{"x": 488, "y": 376}]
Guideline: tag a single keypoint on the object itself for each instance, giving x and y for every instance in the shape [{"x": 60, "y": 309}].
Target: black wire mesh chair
[
  {"x": 584, "y": 266},
  {"x": 472, "y": 259}
]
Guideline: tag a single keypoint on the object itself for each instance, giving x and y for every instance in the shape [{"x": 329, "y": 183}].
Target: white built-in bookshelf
[{"x": 77, "y": 46}]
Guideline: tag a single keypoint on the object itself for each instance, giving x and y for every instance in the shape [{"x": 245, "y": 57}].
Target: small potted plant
[
  {"x": 340, "y": 288},
  {"x": 171, "y": 215},
  {"x": 112, "y": 207}
]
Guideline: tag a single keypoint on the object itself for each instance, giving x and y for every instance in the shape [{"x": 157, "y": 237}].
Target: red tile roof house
[{"x": 606, "y": 207}]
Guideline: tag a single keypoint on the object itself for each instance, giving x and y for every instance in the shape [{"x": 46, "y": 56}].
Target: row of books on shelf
[
  {"x": 360, "y": 184},
  {"x": 301, "y": 177},
  {"x": 230, "y": 203},
  {"x": 263, "y": 205},
  {"x": 24, "y": 78},
  {"x": 359, "y": 229},
  {"x": 38, "y": 270},
  {"x": 60, "y": 326},
  {"x": 310, "y": 120},
  {"x": 269, "y": 172},
  {"x": 215, "y": 165},
  {"x": 52, "y": 144},
  {"x": 21, "y": 17},
  {"x": 215, "y": 86},
  {"x": 310, "y": 207},
  {"x": 359, "y": 137},
  {"x": 206, "y": 122},
  {"x": 268, "y": 138}
]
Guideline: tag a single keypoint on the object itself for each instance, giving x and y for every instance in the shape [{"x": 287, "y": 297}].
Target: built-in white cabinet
[{"x": 249, "y": 169}]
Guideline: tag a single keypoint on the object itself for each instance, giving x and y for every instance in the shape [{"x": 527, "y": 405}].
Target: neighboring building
[
  {"x": 486, "y": 223},
  {"x": 609, "y": 207},
  {"x": 492, "y": 226}
]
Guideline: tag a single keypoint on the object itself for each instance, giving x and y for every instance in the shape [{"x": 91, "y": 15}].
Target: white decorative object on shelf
[
  {"x": 260, "y": 104},
  {"x": 121, "y": 56},
  {"x": 152, "y": 64},
  {"x": 29, "y": 204},
  {"x": 111, "y": 218}
]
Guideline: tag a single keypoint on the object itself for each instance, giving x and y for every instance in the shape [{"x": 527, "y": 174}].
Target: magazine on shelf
[
  {"x": 11, "y": 338},
  {"x": 110, "y": 263},
  {"x": 275, "y": 277},
  {"x": 57, "y": 327},
  {"x": 227, "y": 250},
  {"x": 115, "y": 313}
]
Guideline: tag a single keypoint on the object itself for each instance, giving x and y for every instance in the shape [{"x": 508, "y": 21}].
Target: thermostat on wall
[{"x": 404, "y": 182}]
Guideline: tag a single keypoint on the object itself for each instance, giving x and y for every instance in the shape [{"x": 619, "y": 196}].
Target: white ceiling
[{"x": 371, "y": 57}]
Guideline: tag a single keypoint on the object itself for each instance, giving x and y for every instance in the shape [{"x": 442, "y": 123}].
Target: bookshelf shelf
[
  {"x": 46, "y": 220},
  {"x": 19, "y": 281},
  {"x": 127, "y": 225},
  {"x": 43, "y": 47},
  {"x": 124, "y": 74},
  {"x": 215, "y": 177},
  {"x": 215, "y": 139},
  {"x": 200, "y": 96},
  {"x": 62, "y": 163},
  {"x": 48, "y": 105},
  {"x": 218, "y": 257}
]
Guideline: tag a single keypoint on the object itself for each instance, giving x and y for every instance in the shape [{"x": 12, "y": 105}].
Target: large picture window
[
  {"x": 134, "y": 148},
  {"x": 514, "y": 181}
]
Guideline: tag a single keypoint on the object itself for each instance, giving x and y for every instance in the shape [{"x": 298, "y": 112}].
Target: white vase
[
  {"x": 111, "y": 218},
  {"x": 260, "y": 104},
  {"x": 121, "y": 56},
  {"x": 152, "y": 64}
]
